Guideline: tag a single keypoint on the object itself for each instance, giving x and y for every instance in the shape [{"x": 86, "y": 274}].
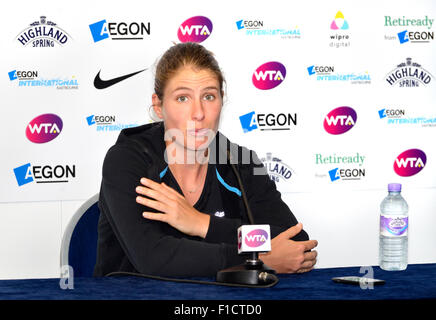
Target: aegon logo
[
  {"x": 269, "y": 75},
  {"x": 44, "y": 174},
  {"x": 44, "y": 128},
  {"x": 410, "y": 162},
  {"x": 340, "y": 120},
  {"x": 119, "y": 30},
  {"x": 269, "y": 121},
  {"x": 256, "y": 238},
  {"x": 195, "y": 29}
]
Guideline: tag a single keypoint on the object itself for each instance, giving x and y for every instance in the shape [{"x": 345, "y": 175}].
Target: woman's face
[{"x": 191, "y": 107}]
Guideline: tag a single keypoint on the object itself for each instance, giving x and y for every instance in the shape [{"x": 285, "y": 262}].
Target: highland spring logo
[
  {"x": 340, "y": 120},
  {"x": 43, "y": 33},
  {"x": 195, "y": 29},
  {"x": 276, "y": 168},
  {"x": 269, "y": 75},
  {"x": 410, "y": 162},
  {"x": 44, "y": 128},
  {"x": 409, "y": 75}
]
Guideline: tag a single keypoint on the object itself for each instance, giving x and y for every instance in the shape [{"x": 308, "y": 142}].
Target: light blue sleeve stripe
[
  {"x": 163, "y": 172},
  {"x": 232, "y": 189}
]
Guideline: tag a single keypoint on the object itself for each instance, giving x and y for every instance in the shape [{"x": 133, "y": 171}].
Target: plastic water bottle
[{"x": 394, "y": 223}]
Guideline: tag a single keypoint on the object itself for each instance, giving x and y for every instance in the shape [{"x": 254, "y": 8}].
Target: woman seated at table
[{"x": 170, "y": 203}]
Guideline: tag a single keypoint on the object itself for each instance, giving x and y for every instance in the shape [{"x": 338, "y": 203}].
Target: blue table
[{"x": 416, "y": 282}]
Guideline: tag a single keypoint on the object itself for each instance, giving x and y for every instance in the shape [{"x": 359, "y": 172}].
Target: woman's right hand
[{"x": 288, "y": 256}]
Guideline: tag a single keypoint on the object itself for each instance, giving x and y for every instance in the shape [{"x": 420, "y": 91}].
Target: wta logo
[
  {"x": 256, "y": 238},
  {"x": 410, "y": 162},
  {"x": 269, "y": 75},
  {"x": 195, "y": 29},
  {"x": 340, "y": 120},
  {"x": 44, "y": 128}
]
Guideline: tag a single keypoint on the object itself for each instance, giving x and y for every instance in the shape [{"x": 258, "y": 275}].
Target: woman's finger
[
  {"x": 153, "y": 194},
  {"x": 157, "y": 205},
  {"x": 155, "y": 216}
]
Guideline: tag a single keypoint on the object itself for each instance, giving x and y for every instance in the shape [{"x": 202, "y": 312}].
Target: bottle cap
[{"x": 394, "y": 187}]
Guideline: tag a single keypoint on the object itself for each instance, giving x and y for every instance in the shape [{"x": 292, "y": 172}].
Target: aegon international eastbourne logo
[
  {"x": 340, "y": 120},
  {"x": 399, "y": 116},
  {"x": 409, "y": 75},
  {"x": 326, "y": 73},
  {"x": 258, "y": 28},
  {"x": 267, "y": 121},
  {"x": 410, "y": 162},
  {"x": 102, "y": 30},
  {"x": 277, "y": 170},
  {"x": 44, "y": 128},
  {"x": 256, "y": 238},
  {"x": 32, "y": 78},
  {"x": 339, "y": 24},
  {"x": 195, "y": 29},
  {"x": 43, "y": 33},
  {"x": 27, "y": 173},
  {"x": 269, "y": 75},
  {"x": 105, "y": 123}
]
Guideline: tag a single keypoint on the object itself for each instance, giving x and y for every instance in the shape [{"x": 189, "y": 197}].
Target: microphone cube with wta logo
[{"x": 254, "y": 238}]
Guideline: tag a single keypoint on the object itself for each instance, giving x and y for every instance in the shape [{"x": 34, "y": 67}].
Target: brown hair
[{"x": 183, "y": 54}]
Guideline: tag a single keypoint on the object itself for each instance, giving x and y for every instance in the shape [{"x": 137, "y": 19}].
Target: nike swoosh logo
[{"x": 103, "y": 84}]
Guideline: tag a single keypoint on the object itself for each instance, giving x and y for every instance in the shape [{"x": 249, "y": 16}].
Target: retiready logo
[
  {"x": 409, "y": 75},
  {"x": 195, "y": 29},
  {"x": 411, "y": 29},
  {"x": 267, "y": 121},
  {"x": 350, "y": 166},
  {"x": 102, "y": 30},
  {"x": 269, "y": 75},
  {"x": 43, "y": 33},
  {"x": 340, "y": 120},
  {"x": 27, "y": 173},
  {"x": 44, "y": 128},
  {"x": 410, "y": 162}
]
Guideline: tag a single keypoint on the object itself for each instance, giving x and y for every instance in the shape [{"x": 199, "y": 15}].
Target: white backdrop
[{"x": 341, "y": 214}]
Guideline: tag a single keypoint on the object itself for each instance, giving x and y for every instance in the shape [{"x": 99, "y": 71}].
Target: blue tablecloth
[{"x": 416, "y": 282}]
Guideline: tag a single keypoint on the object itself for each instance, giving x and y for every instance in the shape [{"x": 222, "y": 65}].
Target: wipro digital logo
[
  {"x": 44, "y": 128},
  {"x": 340, "y": 120},
  {"x": 410, "y": 162},
  {"x": 269, "y": 75},
  {"x": 44, "y": 174},
  {"x": 195, "y": 29}
]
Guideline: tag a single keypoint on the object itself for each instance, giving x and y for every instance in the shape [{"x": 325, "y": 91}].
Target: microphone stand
[{"x": 253, "y": 271}]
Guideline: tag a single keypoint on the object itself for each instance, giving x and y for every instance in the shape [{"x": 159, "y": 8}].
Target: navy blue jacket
[{"x": 129, "y": 242}]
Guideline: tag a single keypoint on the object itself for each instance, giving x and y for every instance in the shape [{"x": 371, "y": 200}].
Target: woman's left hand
[{"x": 173, "y": 208}]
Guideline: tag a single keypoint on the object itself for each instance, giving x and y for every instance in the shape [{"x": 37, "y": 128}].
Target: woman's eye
[
  {"x": 209, "y": 97},
  {"x": 182, "y": 99}
]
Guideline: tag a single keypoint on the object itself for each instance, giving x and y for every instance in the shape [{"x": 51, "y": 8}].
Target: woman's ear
[{"x": 157, "y": 105}]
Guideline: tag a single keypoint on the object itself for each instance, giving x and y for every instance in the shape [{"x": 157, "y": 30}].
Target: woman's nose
[{"x": 197, "y": 110}]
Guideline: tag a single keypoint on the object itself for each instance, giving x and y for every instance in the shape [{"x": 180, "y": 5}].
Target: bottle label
[{"x": 391, "y": 226}]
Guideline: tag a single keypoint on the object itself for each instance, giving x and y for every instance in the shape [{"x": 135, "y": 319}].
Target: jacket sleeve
[{"x": 153, "y": 247}]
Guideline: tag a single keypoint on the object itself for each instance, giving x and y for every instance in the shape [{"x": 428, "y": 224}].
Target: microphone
[{"x": 252, "y": 239}]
